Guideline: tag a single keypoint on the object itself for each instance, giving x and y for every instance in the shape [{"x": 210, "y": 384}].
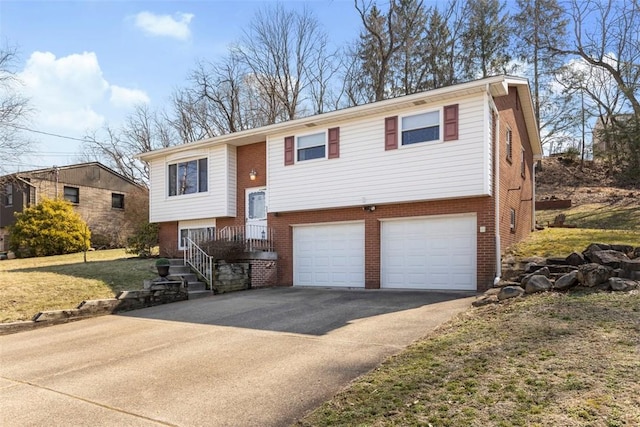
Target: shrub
[
  {"x": 160, "y": 262},
  {"x": 51, "y": 227},
  {"x": 224, "y": 249},
  {"x": 143, "y": 240}
]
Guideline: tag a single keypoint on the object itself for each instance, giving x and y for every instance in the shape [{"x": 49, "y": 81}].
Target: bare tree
[
  {"x": 142, "y": 131},
  {"x": 281, "y": 48},
  {"x": 14, "y": 109}
]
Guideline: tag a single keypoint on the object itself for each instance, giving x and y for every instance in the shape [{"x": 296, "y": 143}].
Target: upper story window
[
  {"x": 310, "y": 147},
  {"x": 421, "y": 128},
  {"x": 8, "y": 195},
  {"x": 72, "y": 194},
  {"x": 117, "y": 201},
  {"x": 509, "y": 146},
  {"x": 188, "y": 177}
]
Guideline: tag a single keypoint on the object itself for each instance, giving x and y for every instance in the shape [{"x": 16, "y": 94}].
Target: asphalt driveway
[{"x": 255, "y": 358}]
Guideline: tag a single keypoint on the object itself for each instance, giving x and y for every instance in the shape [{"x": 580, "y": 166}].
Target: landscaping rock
[
  {"x": 538, "y": 283},
  {"x": 541, "y": 272},
  {"x": 510, "y": 292},
  {"x": 567, "y": 281},
  {"x": 622, "y": 285},
  {"x": 561, "y": 269},
  {"x": 609, "y": 257},
  {"x": 556, "y": 261},
  {"x": 532, "y": 267},
  {"x": 575, "y": 259},
  {"x": 630, "y": 269},
  {"x": 502, "y": 283},
  {"x": 625, "y": 249},
  {"x": 592, "y": 274},
  {"x": 636, "y": 253},
  {"x": 485, "y": 300}
]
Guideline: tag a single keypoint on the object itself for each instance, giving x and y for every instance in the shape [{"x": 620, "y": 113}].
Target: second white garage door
[
  {"x": 329, "y": 255},
  {"x": 429, "y": 253}
]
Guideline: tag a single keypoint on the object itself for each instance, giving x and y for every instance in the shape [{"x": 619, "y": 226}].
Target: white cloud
[
  {"x": 165, "y": 25},
  {"x": 64, "y": 90},
  {"x": 122, "y": 97}
]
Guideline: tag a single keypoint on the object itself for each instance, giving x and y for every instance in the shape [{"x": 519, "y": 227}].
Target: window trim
[
  {"x": 8, "y": 195},
  {"x": 326, "y": 146},
  {"x": 439, "y": 110},
  {"x": 509, "y": 145},
  {"x": 121, "y": 195},
  {"x": 182, "y": 247},
  {"x": 77, "y": 195},
  {"x": 176, "y": 163},
  {"x": 512, "y": 220}
]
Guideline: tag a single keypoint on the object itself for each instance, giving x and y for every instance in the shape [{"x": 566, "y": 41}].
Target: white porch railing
[
  {"x": 199, "y": 261},
  {"x": 256, "y": 237}
]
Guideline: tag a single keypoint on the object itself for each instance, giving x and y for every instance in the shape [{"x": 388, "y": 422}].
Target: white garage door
[
  {"x": 429, "y": 253},
  {"x": 329, "y": 255}
]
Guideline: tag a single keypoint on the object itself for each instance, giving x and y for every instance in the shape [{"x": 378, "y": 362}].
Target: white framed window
[
  {"x": 197, "y": 234},
  {"x": 421, "y": 127},
  {"x": 188, "y": 177},
  {"x": 309, "y": 147},
  {"x": 509, "y": 144}
]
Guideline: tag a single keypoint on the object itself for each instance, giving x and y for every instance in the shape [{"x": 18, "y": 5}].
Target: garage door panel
[
  {"x": 429, "y": 253},
  {"x": 329, "y": 255}
]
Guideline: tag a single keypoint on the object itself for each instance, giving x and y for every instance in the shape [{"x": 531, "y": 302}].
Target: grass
[
  {"x": 597, "y": 215},
  {"x": 563, "y": 241},
  {"x": 547, "y": 360},
  {"x": 30, "y": 285}
]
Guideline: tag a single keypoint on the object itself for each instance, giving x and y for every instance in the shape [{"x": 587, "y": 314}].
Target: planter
[{"x": 163, "y": 270}]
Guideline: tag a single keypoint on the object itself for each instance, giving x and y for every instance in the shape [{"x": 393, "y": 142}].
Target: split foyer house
[
  {"x": 103, "y": 198},
  {"x": 421, "y": 191}
]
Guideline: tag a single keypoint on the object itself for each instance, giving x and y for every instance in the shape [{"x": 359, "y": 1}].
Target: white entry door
[{"x": 256, "y": 213}]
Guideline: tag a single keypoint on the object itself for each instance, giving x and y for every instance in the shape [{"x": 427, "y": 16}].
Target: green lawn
[
  {"x": 30, "y": 285},
  {"x": 622, "y": 216}
]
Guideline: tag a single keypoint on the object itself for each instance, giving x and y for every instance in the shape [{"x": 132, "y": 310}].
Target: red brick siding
[
  {"x": 263, "y": 273},
  {"x": 516, "y": 191},
  {"x": 249, "y": 157},
  {"x": 168, "y": 239},
  {"x": 482, "y": 206}
]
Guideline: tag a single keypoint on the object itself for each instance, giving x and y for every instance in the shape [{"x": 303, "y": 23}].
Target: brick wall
[
  {"x": 168, "y": 239},
  {"x": 516, "y": 190},
  {"x": 263, "y": 273},
  {"x": 482, "y": 206}
]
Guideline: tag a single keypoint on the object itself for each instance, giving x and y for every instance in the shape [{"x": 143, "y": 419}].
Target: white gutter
[{"x": 496, "y": 162}]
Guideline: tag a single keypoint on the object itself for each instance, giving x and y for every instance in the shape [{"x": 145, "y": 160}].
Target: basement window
[{"x": 512, "y": 222}]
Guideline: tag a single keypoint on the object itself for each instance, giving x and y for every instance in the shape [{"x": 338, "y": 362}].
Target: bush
[
  {"x": 223, "y": 249},
  {"x": 51, "y": 227},
  {"x": 143, "y": 240}
]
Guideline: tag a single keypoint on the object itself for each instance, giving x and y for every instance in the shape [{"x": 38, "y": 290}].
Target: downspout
[{"x": 496, "y": 162}]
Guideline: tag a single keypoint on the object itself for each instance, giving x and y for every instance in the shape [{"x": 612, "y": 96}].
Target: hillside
[{"x": 598, "y": 201}]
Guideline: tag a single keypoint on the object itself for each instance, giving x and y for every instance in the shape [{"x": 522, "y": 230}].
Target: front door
[{"x": 256, "y": 213}]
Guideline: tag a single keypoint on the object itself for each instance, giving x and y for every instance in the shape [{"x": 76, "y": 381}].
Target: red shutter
[
  {"x": 334, "y": 143},
  {"x": 451, "y": 122},
  {"x": 391, "y": 133},
  {"x": 289, "y": 151}
]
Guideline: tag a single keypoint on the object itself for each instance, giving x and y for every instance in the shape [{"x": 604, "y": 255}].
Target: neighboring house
[
  {"x": 399, "y": 193},
  {"x": 103, "y": 198}
]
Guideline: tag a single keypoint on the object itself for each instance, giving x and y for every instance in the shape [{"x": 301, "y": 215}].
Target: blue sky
[{"x": 86, "y": 63}]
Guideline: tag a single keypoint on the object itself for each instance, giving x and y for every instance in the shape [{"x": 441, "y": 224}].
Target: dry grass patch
[
  {"x": 547, "y": 360},
  {"x": 30, "y": 285},
  {"x": 622, "y": 216},
  {"x": 562, "y": 241}
]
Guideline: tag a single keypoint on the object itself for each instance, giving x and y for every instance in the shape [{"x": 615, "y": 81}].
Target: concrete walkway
[{"x": 255, "y": 358}]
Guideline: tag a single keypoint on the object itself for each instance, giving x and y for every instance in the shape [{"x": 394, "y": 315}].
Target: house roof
[
  {"x": 496, "y": 86},
  {"x": 22, "y": 174}
]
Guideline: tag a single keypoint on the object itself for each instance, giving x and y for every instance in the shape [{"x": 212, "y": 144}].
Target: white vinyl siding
[
  {"x": 219, "y": 199},
  {"x": 367, "y": 174},
  {"x": 436, "y": 252}
]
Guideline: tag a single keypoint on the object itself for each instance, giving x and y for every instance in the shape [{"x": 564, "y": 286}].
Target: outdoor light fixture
[
  {"x": 253, "y": 174},
  {"x": 370, "y": 208}
]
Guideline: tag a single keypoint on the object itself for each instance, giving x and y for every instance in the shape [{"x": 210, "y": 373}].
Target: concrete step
[
  {"x": 189, "y": 277},
  {"x": 176, "y": 262},
  {"x": 179, "y": 269},
  {"x": 198, "y": 294},
  {"x": 196, "y": 286}
]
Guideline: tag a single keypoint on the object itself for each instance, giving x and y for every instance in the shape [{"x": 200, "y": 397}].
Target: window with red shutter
[
  {"x": 451, "y": 122},
  {"x": 289, "y": 151},
  {"x": 334, "y": 143},
  {"x": 391, "y": 133}
]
